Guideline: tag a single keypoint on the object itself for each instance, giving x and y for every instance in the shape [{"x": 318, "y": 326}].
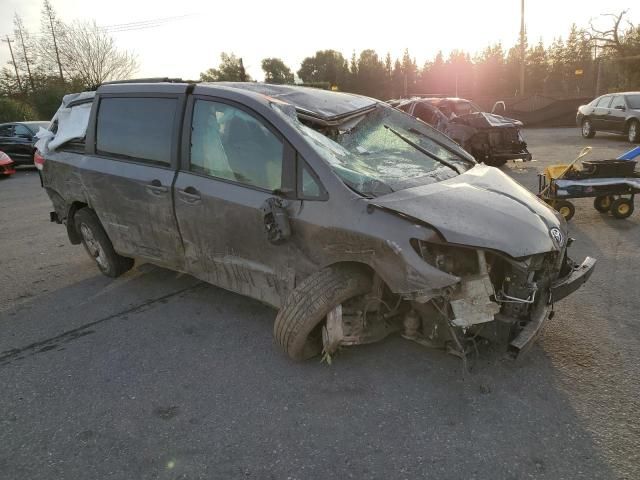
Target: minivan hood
[{"x": 482, "y": 208}]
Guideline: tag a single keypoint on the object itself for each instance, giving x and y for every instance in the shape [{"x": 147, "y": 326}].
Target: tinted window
[
  {"x": 6, "y": 130},
  {"x": 22, "y": 131},
  {"x": 425, "y": 113},
  {"x": 604, "y": 102},
  {"x": 618, "y": 102},
  {"x": 139, "y": 128},
  {"x": 227, "y": 142},
  {"x": 633, "y": 101}
]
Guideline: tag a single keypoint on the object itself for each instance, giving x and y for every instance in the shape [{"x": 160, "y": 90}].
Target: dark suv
[
  {"x": 17, "y": 140},
  {"x": 615, "y": 113},
  {"x": 352, "y": 218}
]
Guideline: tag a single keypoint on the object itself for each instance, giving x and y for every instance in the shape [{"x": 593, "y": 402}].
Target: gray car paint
[
  {"x": 221, "y": 237},
  {"x": 483, "y": 208}
]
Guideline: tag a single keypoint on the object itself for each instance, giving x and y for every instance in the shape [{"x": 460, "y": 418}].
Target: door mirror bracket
[{"x": 276, "y": 220}]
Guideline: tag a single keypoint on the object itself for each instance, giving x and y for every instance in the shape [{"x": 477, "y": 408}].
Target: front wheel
[
  {"x": 298, "y": 325},
  {"x": 633, "y": 132},
  {"x": 565, "y": 208},
  {"x": 587, "y": 129},
  {"x": 97, "y": 244}
]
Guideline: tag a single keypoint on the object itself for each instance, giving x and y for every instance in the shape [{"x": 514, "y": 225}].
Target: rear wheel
[
  {"x": 622, "y": 208},
  {"x": 633, "y": 132},
  {"x": 298, "y": 325},
  {"x": 97, "y": 244},
  {"x": 565, "y": 208},
  {"x": 587, "y": 128},
  {"x": 603, "y": 203}
]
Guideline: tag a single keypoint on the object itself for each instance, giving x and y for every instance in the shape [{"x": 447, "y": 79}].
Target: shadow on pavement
[{"x": 164, "y": 377}]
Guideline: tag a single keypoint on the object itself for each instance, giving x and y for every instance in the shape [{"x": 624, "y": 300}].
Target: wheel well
[
  {"x": 74, "y": 236},
  {"x": 360, "y": 265},
  {"x": 628, "y": 122},
  {"x": 377, "y": 278}
]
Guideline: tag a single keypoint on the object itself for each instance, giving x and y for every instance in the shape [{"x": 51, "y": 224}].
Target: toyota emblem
[{"x": 556, "y": 234}]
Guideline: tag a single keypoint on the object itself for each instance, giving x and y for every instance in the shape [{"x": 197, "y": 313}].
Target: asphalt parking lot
[{"x": 157, "y": 375}]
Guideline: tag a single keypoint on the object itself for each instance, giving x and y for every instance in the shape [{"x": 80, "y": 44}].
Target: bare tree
[
  {"x": 89, "y": 53},
  {"x": 25, "y": 55},
  {"x": 622, "y": 38},
  {"x": 52, "y": 30},
  {"x": 620, "y": 49}
]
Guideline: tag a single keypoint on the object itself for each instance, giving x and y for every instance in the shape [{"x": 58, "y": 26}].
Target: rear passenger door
[
  {"x": 129, "y": 175},
  {"x": 233, "y": 162},
  {"x": 600, "y": 112},
  {"x": 617, "y": 114}
]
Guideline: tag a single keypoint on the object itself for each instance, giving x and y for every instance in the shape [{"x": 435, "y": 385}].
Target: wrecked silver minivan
[{"x": 352, "y": 218}]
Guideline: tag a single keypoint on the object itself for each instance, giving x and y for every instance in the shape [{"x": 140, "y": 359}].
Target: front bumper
[
  {"x": 525, "y": 156},
  {"x": 559, "y": 289},
  {"x": 567, "y": 285}
]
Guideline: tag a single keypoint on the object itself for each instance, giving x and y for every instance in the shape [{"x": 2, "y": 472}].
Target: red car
[{"x": 6, "y": 165}]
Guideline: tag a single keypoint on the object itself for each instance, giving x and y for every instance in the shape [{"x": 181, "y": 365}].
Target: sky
[{"x": 199, "y": 30}]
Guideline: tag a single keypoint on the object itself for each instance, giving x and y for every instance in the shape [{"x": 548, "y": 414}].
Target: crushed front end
[
  {"x": 491, "y": 139},
  {"x": 498, "y": 298}
]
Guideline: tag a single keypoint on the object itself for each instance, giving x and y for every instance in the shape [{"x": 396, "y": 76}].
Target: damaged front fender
[{"x": 379, "y": 239}]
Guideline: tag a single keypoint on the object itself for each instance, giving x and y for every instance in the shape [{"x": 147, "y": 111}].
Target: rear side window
[
  {"x": 22, "y": 131},
  {"x": 6, "y": 130},
  {"x": 136, "y": 128}
]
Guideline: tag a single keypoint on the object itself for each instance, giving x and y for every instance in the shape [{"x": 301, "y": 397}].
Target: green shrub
[{"x": 15, "y": 111}]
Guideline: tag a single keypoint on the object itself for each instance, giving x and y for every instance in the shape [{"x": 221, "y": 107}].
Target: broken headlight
[{"x": 457, "y": 261}]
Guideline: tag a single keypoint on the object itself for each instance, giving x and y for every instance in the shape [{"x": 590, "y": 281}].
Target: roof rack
[{"x": 149, "y": 80}]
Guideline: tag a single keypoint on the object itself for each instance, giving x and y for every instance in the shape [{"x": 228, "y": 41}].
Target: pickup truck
[{"x": 352, "y": 218}]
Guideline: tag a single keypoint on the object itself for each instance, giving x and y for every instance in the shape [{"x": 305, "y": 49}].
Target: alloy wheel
[{"x": 93, "y": 246}]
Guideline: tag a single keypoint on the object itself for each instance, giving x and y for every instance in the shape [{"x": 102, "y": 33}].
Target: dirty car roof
[{"x": 323, "y": 104}]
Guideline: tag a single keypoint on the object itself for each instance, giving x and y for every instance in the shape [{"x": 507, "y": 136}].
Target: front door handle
[
  {"x": 156, "y": 188},
  {"x": 189, "y": 195}
]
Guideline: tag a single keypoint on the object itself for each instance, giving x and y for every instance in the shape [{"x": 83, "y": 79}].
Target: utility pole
[
  {"x": 26, "y": 58},
  {"x": 522, "y": 48},
  {"x": 13, "y": 60},
  {"x": 47, "y": 7}
]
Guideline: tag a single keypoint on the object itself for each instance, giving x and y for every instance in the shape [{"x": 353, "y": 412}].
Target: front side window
[
  {"x": 618, "y": 101},
  {"x": 228, "y": 143},
  {"x": 308, "y": 186},
  {"x": 603, "y": 102},
  {"x": 136, "y": 128}
]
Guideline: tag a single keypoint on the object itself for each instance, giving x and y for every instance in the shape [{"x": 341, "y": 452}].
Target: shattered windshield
[
  {"x": 386, "y": 150},
  {"x": 463, "y": 108}
]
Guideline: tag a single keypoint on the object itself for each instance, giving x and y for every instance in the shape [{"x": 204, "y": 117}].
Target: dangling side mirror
[{"x": 276, "y": 220}]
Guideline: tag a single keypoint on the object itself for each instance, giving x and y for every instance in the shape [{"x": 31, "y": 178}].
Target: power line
[{"x": 123, "y": 27}]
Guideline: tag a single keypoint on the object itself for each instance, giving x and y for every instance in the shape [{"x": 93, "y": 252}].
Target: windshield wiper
[
  {"x": 446, "y": 147},
  {"x": 424, "y": 150}
]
